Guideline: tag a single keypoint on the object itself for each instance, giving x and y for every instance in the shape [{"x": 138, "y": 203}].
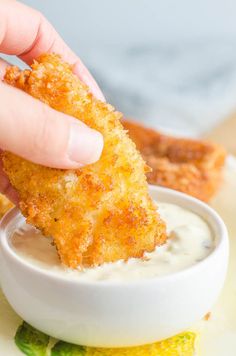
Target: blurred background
[{"x": 170, "y": 64}]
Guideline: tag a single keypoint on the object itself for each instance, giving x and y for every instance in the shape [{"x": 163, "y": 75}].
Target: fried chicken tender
[
  {"x": 101, "y": 212},
  {"x": 190, "y": 166}
]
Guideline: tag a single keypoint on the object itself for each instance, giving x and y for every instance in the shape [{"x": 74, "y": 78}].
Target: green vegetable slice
[
  {"x": 62, "y": 348},
  {"x": 31, "y": 341},
  {"x": 35, "y": 343}
]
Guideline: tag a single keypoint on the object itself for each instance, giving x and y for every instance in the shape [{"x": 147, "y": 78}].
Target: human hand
[{"x": 28, "y": 127}]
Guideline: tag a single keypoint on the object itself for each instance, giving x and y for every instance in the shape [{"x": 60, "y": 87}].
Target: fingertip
[
  {"x": 85, "y": 145},
  {"x": 84, "y": 75}
]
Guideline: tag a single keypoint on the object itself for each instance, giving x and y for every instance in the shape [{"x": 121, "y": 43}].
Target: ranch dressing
[{"x": 189, "y": 241}]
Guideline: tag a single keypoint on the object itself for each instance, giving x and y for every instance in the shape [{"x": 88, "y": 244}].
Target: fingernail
[
  {"x": 84, "y": 75},
  {"x": 85, "y": 144}
]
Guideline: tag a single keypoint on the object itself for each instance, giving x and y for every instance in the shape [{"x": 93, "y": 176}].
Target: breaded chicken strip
[
  {"x": 190, "y": 166},
  {"x": 101, "y": 212}
]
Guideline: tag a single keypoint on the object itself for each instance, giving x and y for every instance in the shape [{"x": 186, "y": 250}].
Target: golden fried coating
[
  {"x": 101, "y": 212},
  {"x": 5, "y": 205},
  {"x": 190, "y": 166}
]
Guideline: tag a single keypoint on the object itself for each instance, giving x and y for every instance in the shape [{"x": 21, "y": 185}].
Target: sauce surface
[{"x": 189, "y": 241}]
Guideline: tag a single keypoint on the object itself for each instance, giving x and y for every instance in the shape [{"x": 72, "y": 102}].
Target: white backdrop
[
  {"x": 169, "y": 63},
  {"x": 139, "y": 21}
]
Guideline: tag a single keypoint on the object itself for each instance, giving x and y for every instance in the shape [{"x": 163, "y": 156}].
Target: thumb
[{"x": 42, "y": 135}]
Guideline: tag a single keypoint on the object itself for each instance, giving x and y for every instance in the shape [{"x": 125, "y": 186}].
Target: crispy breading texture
[
  {"x": 190, "y": 166},
  {"x": 101, "y": 212}
]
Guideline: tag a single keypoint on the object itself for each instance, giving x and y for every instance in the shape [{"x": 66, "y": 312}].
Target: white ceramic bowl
[{"x": 114, "y": 313}]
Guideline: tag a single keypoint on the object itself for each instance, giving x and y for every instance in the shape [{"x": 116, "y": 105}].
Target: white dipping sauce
[{"x": 189, "y": 241}]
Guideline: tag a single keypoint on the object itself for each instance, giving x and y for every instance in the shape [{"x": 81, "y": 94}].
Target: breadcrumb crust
[
  {"x": 190, "y": 166},
  {"x": 101, "y": 212}
]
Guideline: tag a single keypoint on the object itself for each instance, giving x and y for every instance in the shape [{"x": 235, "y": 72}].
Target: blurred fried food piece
[
  {"x": 5, "y": 205},
  {"x": 190, "y": 166},
  {"x": 101, "y": 212}
]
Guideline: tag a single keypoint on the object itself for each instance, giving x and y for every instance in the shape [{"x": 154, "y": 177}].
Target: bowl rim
[{"x": 223, "y": 243}]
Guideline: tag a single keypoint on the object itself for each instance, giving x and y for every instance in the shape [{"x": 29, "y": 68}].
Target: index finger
[{"x": 26, "y": 33}]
